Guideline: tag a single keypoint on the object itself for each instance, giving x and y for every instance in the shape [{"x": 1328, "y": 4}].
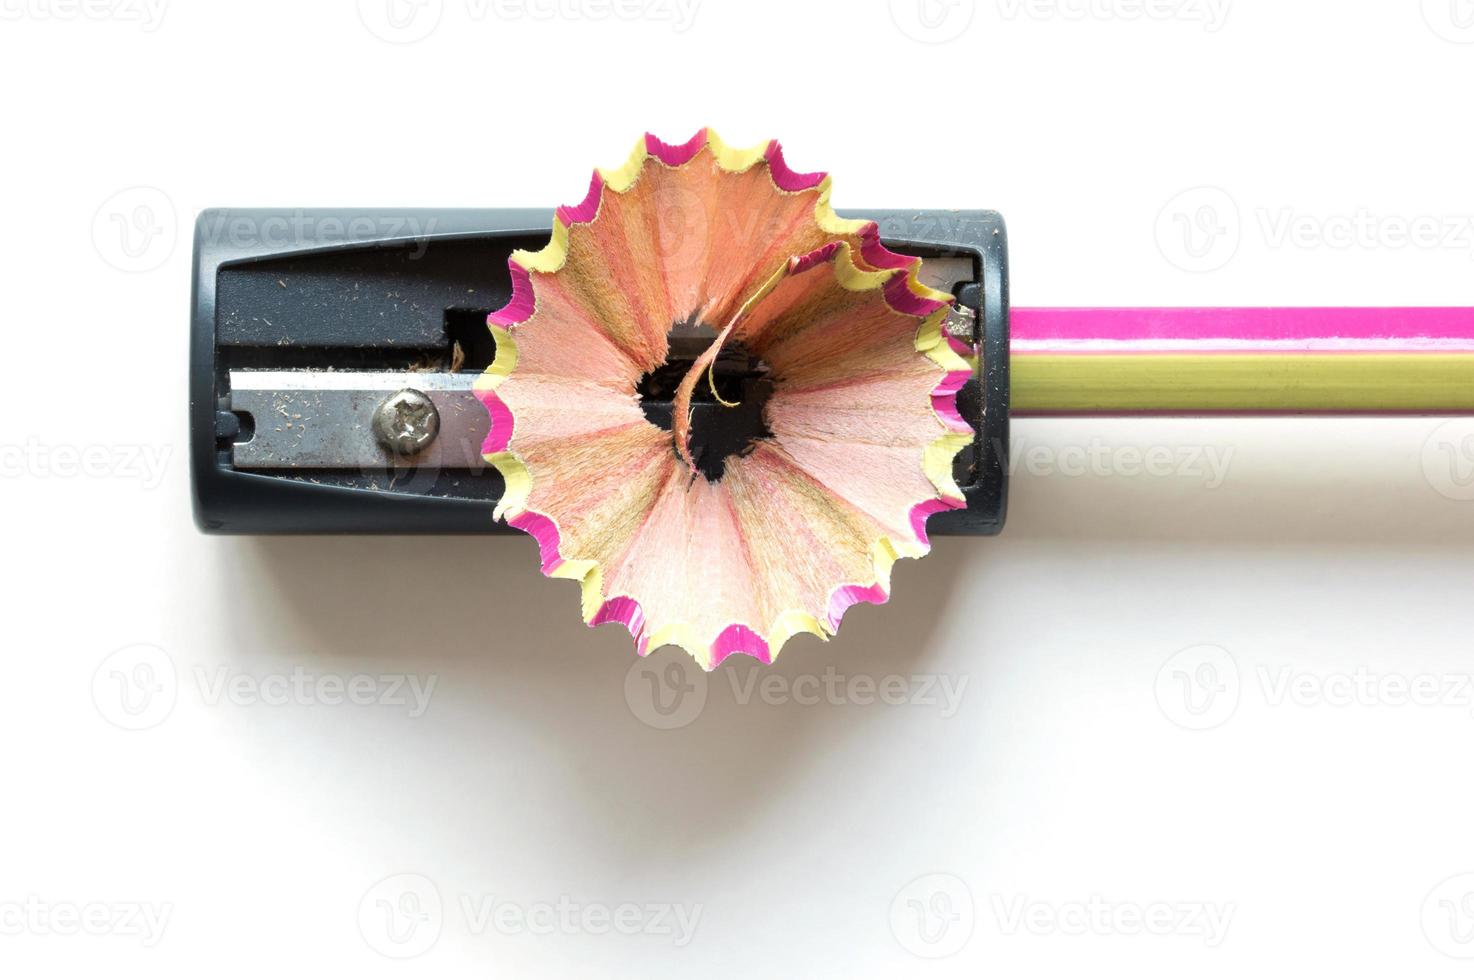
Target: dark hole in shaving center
[{"x": 717, "y": 432}]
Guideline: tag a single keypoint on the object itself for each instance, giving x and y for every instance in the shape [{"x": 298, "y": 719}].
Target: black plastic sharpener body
[{"x": 283, "y": 293}]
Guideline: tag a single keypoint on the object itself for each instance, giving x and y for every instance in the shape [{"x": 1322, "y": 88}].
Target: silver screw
[{"x": 406, "y": 422}]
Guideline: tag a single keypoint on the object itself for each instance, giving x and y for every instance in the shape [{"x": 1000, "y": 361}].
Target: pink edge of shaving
[
  {"x": 874, "y": 252},
  {"x": 545, "y": 533},
  {"x": 739, "y": 639},
  {"x": 628, "y": 613},
  {"x": 522, "y": 303},
  {"x": 803, "y": 263},
  {"x": 944, "y": 400},
  {"x": 899, "y": 296},
  {"x": 785, "y": 176},
  {"x": 896, "y": 290},
  {"x": 675, "y": 155},
  {"x": 586, "y": 210},
  {"x": 926, "y": 509},
  {"x": 842, "y": 598},
  {"x": 502, "y": 422}
]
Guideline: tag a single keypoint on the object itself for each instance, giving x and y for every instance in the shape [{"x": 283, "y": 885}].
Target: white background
[{"x": 1027, "y": 827}]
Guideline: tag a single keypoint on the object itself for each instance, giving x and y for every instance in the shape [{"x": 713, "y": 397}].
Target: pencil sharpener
[{"x": 333, "y": 352}]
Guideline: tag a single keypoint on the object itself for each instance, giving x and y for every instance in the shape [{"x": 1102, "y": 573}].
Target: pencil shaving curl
[{"x": 863, "y": 420}]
